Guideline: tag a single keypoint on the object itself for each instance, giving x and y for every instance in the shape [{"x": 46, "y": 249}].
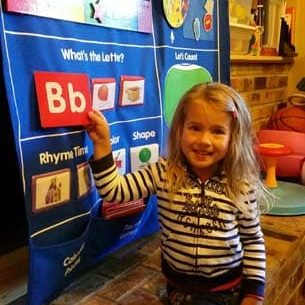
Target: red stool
[{"x": 269, "y": 153}]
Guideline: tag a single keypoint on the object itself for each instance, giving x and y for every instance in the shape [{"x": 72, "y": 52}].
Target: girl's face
[{"x": 205, "y": 138}]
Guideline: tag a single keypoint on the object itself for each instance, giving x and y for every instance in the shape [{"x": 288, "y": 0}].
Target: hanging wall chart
[{"x": 132, "y": 60}]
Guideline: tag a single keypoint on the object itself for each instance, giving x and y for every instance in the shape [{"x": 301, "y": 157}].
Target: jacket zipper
[{"x": 202, "y": 194}]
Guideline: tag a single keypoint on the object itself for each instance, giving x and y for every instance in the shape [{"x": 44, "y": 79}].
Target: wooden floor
[{"x": 13, "y": 275}]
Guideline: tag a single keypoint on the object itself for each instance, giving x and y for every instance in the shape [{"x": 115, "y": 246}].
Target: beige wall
[{"x": 298, "y": 69}]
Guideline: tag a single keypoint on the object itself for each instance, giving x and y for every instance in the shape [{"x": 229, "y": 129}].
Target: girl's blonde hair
[{"x": 240, "y": 163}]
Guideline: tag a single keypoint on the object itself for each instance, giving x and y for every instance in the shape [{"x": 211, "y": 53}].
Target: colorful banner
[
  {"x": 54, "y": 70},
  {"x": 134, "y": 15}
]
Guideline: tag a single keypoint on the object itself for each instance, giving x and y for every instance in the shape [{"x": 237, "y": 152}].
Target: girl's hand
[
  {"x": 99, "y": 133},
  {"x": 251, "y": 301}
]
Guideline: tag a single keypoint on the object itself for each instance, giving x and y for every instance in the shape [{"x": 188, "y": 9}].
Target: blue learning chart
[{"x": 136, "y": 71}]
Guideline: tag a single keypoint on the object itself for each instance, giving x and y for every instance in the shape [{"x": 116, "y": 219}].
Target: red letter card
[{"x": 64, "y": 99}]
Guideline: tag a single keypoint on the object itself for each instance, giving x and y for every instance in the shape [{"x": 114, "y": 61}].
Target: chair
[{"x": 292, "y": 165}]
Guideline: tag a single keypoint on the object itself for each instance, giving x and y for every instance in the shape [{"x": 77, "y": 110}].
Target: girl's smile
[{"x": 205, "y": 137}]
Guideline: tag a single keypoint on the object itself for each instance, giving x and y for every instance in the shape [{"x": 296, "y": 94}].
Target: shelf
[
  {"x": 260, "y": 59},
  {"x": 242, "y": 26}
]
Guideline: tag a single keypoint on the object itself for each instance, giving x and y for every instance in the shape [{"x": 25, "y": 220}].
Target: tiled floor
[{"x": 131, "y": 276}]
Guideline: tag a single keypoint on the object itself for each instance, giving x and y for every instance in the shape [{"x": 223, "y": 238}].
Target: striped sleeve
[
  {"x": 114, "y": 187},
  {"x": 254, "y": 258}
]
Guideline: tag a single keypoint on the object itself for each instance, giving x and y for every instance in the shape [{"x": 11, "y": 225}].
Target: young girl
[{"x": 207, "y": 189}]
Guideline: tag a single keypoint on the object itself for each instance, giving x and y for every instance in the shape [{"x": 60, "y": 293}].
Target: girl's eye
[
  {"x": 219, "y": 131},
  {"x": 194, "y": 128}
]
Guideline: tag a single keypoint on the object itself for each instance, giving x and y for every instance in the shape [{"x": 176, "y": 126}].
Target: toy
[
  {"x": 270, "y": 152},
  {"x": 290, "y": 119},
  {"x": 292, "y": 165}
]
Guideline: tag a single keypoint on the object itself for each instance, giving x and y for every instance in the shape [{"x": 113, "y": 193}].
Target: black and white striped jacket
[{"x": 205, "y": 240}]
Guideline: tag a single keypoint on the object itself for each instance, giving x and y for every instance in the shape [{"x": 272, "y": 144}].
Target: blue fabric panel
[{"x": 69, "y": 236}]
